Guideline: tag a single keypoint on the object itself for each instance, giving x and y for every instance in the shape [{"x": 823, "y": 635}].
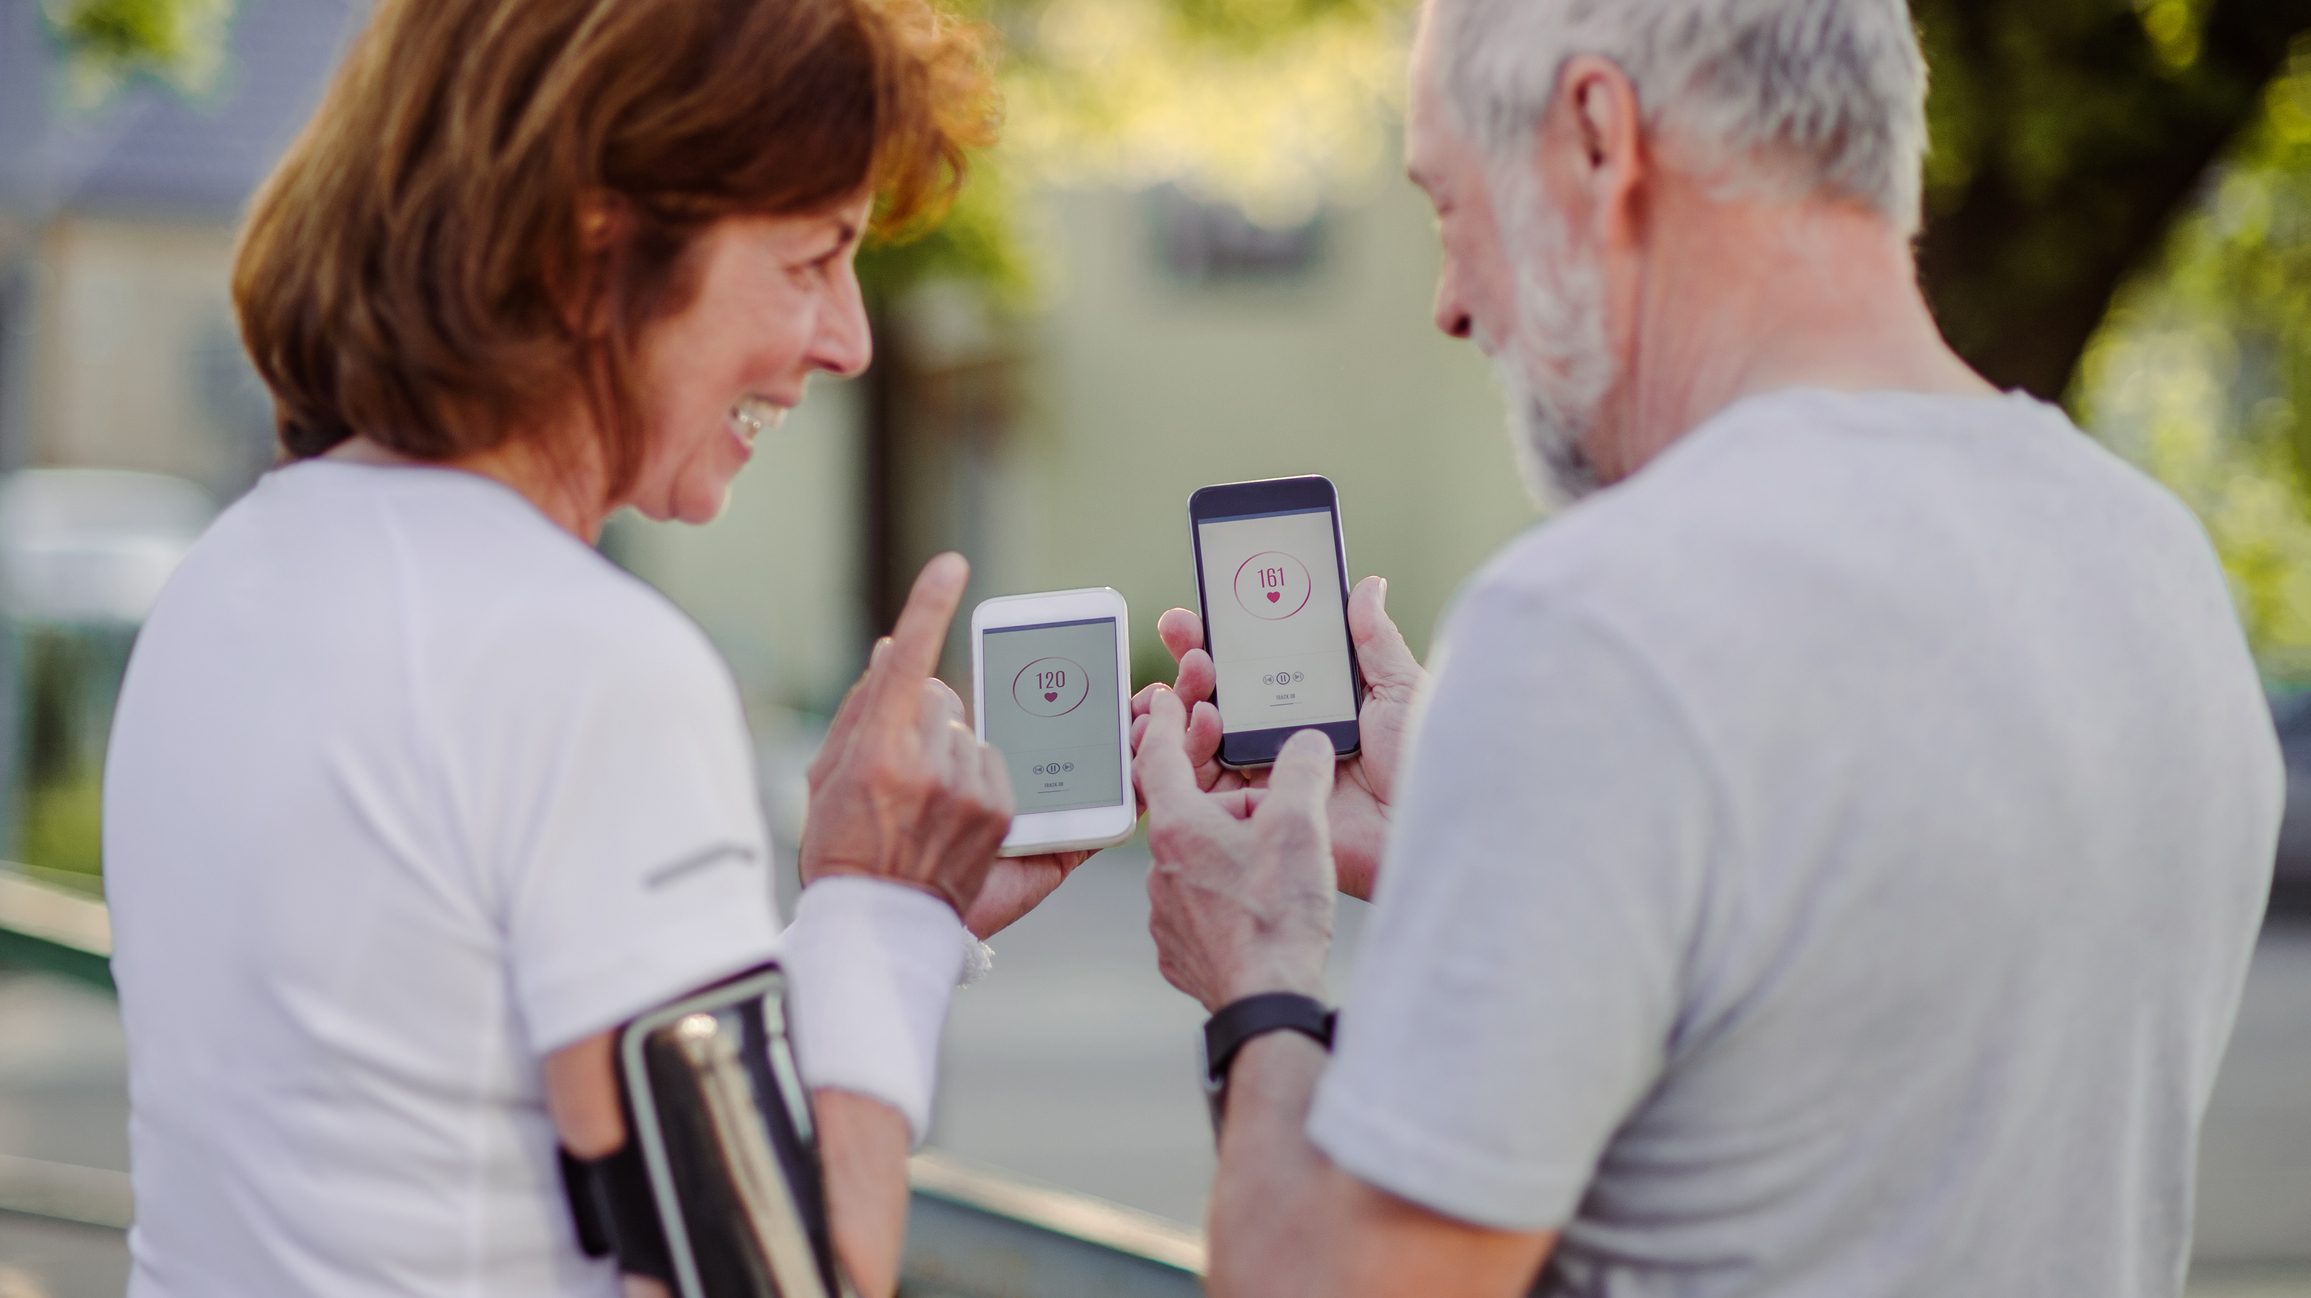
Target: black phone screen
[{"x": 1275, "y": 616}]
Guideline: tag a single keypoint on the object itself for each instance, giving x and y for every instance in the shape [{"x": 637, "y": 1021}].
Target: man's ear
[{"x": 1597, "y": 106}]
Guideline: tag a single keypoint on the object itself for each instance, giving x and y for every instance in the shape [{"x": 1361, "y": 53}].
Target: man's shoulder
[
  {"x": 1799, "y": 482},
  {"x": 1790, "y": 543}
]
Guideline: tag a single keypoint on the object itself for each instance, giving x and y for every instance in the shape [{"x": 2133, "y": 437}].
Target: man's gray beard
[
  {"x": 1547, "y": 444},
  {"x": 1556, "y": 368}
]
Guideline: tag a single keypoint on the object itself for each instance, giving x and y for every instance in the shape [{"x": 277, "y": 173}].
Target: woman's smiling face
[{"x": 777, "y": 299}]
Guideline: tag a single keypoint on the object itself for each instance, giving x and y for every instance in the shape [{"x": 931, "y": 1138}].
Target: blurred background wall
[{"x": 1192, "y": 260}]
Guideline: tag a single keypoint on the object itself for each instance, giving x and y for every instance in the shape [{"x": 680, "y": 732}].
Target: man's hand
[
  {"x": 902, "y": 790},
  {"x": 1242, "y": 889},
  {"x": 1367, "y": 785}
]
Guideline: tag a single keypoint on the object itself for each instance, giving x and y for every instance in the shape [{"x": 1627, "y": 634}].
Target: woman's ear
[
  {"x": 602, "y": 219},
  {"x": 602, "y": 223}
]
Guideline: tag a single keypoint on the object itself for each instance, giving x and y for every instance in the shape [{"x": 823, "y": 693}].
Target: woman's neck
[{"x": 554, "y": 486}]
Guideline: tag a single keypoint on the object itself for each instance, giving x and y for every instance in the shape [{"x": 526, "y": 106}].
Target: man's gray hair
[{"x": 1828, "y": 94}]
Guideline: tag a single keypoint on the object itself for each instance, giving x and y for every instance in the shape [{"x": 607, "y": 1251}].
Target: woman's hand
[
  {"x": 1358, "y": 808},
  {"x": 902, "y": 790},
  {"x": 1015, "y": 884}
]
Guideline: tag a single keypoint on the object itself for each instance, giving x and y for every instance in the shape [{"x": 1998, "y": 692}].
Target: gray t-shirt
[{"x": 1827, "y": 866}]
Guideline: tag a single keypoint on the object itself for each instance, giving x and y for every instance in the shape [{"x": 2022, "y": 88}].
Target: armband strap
[{"x": 610, "y": 1190}]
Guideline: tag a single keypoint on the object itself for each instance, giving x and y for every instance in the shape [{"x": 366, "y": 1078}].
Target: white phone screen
[
  {"x": 1050, "y": 696},
  {"x": 1279, "y": 631}
]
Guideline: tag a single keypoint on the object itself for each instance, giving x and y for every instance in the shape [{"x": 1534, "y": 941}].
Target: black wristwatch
[{"x": 1239, "y": 1021}]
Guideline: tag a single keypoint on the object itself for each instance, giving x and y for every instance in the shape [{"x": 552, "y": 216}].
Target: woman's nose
[{"x": 846, "y": 341}]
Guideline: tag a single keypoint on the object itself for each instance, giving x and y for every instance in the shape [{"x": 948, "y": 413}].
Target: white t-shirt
[
  {"x": 1827, "y": 867},
  {"x": 408, "y": 788}
]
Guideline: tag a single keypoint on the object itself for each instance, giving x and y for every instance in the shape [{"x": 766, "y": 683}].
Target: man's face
[{"x": 1515, "y": 281}]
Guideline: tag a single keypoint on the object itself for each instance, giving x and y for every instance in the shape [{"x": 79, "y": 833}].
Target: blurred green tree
[
  {"x": 2069, "y": 136},
  {"x": 2201, "y": 371}
]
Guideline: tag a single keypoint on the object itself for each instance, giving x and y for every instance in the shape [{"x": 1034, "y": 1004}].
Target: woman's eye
[{"x": 816, "y": 267}]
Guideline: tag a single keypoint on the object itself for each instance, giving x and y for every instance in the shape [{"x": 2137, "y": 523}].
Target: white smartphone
[{"x": 1051, "y": 690}]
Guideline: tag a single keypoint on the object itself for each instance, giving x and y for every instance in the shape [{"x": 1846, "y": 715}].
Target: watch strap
[{"x": 1239, "y": 1021}]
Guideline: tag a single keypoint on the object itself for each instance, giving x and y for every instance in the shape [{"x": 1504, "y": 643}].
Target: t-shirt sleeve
[
  {"x": 635, "y": 863},
  {"x": 1522, "y": 973}
]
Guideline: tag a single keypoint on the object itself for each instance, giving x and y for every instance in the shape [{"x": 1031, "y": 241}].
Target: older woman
[{"x": 413, "y": 799}]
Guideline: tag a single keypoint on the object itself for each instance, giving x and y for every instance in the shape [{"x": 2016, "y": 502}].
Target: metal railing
[
  {"x": 53, "y": 930},
  {"x": 971, "y": 1234}
]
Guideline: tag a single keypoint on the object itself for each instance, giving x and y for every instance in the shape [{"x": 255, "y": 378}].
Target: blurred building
[
  {"x": 1173, "y": 344},
  {"x": 116, "y": 231}
]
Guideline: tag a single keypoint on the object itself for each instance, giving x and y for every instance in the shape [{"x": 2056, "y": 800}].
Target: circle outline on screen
[
  {"x": 1048, "y": 716},
  {"x": 1308, "y": 580}
]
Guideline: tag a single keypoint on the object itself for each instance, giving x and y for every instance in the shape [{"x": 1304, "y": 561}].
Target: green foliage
[
  {"x": 68, "y": 678},
  {"x": 2068, "y": 135},
  {"x": 62, "y": 826},
  {"x": 976, "y": 241},
  {"x": 2203, "y": 373},
  {"x": 106, "y": 43},
  {"x": 1275, "y": 105}
]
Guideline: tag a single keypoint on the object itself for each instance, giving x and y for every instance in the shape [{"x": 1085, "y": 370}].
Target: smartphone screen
[
  {"x": 1277, "y": 624},
  {"x": 1050, "y": 702}
]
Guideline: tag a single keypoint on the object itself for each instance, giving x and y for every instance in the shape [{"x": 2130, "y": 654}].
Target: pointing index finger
[
  {"x": 922, "y": 628},
  {"x": 913, "y": 651}
]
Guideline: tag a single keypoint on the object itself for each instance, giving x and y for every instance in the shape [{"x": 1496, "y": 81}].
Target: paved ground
[{"x": 1074, "y": 1064}]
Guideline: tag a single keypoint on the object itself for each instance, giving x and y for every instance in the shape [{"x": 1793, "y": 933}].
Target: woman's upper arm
[{"x": 582, "y": 1096}]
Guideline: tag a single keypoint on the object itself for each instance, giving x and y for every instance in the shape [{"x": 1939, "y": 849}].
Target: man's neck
[{"x": 1751, "y": 297}]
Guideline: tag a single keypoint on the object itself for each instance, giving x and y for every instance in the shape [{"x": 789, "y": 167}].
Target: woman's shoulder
[
  {"x": 567, "y": 618},
  {"x": 483, "y": 592}
]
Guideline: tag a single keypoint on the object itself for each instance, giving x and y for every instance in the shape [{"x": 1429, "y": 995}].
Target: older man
[{"x": 1829, "y": 856}]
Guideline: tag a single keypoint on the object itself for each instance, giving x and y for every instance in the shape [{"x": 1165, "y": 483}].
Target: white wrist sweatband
[
  {"x": 871, "y": 965},
  {"x": 978, "y": 962}
]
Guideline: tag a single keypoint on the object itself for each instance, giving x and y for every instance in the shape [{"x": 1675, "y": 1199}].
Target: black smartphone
[{"x": 1272, "y": 582}]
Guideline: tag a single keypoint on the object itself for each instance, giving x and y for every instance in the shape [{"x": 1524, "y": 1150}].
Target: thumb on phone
[
  {"x": 1300, "y": 781},
  {"x": 1381, "y": 652}
]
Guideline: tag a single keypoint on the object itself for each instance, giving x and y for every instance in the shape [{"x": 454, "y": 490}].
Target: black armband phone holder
[{"x": 716, "y": 1192}]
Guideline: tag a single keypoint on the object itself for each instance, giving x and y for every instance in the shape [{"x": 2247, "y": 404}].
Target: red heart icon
[
  {"x": 1275, "y": 595},
  {"x": 1051, "y": 696}
]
